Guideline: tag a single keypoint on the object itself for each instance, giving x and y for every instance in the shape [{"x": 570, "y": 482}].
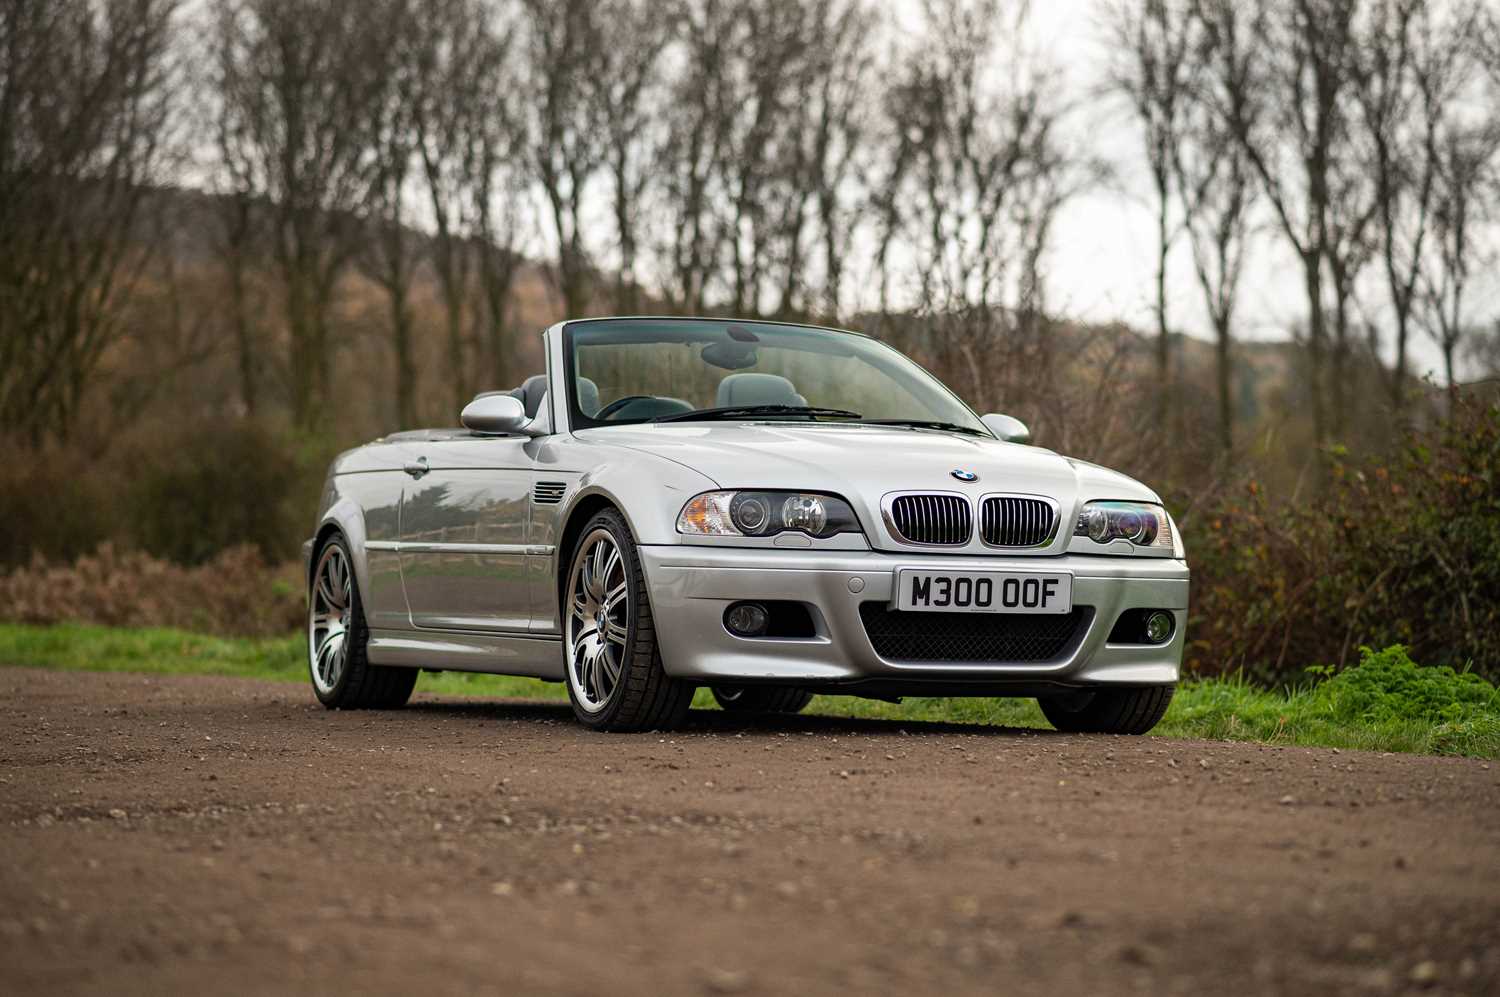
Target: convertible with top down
[{"x": 769, "y": 510}]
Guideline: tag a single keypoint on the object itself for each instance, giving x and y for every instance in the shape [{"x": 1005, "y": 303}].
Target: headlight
[
  {"x": 764, "y": 514},
  {"x": 1143, "y": 524}
]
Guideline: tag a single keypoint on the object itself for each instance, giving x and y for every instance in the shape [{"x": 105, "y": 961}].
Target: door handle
[{"x": 416, "y": 468}]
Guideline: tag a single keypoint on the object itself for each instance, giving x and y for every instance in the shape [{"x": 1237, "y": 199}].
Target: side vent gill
[{"x": 548, "y": 492}]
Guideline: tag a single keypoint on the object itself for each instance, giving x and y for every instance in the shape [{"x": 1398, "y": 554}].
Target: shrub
[
  {"x": 183, "y": 493},
  {"x": 235, "y": 593},
  {"x": 1399, "y": 551},
  {"x": 51, "y": 501},
  {"x": 209, "y": 490},
  {"x": 1388, "y": 686}
]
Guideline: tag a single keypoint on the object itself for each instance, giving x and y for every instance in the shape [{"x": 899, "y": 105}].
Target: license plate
[{"x": 920, "y": 590}]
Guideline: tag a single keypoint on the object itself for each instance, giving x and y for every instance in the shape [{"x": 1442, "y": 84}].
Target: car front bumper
[{"x": 691, "y": 587}]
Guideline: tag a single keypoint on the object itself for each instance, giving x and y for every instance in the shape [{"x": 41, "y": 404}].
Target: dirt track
[{"x": 167, "y": 834}]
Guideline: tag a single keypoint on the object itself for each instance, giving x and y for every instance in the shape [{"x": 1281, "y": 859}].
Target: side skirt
[{"x": 534, "y": 657}]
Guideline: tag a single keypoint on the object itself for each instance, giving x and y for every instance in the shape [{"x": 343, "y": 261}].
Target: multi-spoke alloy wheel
[
  {"x": 337, "y": 639},
  {"x": 615, "y": 676},
  {"x": 328, "y": 618},
  {"x": 598, "y": 620}
]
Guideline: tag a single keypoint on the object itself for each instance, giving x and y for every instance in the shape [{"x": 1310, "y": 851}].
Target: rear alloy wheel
[
  {"x": 337, "y": 639},
  {"x": 761, "y": 698},
  {"x": 1108, "y": 711},
  {"x": 616, "y": 681}
]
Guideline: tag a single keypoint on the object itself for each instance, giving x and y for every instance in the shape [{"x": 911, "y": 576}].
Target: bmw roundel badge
[{"x": 963, "y": 475}]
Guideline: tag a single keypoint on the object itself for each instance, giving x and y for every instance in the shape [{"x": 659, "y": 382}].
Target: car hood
[{"x": 864, "y": 463}]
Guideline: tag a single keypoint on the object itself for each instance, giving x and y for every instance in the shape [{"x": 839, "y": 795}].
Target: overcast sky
[{"x": 1103, "y": 262}]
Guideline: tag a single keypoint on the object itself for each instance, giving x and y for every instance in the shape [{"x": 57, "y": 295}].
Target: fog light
[
  {"x": 747, "y": 619},
  {"x": 1158, "y": 627}
]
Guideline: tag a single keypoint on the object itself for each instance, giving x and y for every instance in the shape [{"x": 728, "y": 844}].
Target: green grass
[{"x": 1387, "y": 703}]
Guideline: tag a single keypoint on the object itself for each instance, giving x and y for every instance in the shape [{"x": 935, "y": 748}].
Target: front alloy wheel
[
  {"x": 598, "y": 621},
  {"x": 615, "y": 676},
  {"x": 337, "y": 639}
]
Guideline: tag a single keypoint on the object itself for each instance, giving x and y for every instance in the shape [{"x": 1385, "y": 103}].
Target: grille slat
[
  {"x": 1014, "y": 521},
  {"x": 995, "y": 638},
  {"x": 939, "y": 520}
]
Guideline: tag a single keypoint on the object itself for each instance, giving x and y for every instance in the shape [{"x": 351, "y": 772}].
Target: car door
[{"x": 463, "y": 534}]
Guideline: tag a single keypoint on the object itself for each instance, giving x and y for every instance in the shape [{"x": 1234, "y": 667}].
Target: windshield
[{"x": 645, "y": 370}]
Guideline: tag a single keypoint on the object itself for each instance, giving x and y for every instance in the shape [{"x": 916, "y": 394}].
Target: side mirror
[
  {"x": 495, "y": 413},
  {"x": 1007, "y": 428}
]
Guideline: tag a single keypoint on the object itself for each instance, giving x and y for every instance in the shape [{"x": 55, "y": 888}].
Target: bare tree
[
  {"x": 1153, "y": 69},
  {"x": 1403, "y": 73},
  {"x": 1291, "y": 124},
  {"x": 567, "y": 39},
  {"x": 392, "y": 251},
  {"x": 458, "y": 98},
  {"x": 812, "y": 204},
  {"x": 1467, "y": 191},
  {"x": 976, "y": 178},
  {"x": 294, "y": 80},
  {"x": 629, "y": 94},
  {"x": 843, "y": 110},
  {"x": 85, "y": 98},
  {"x": 498, "y": 188},
  {"x": 1216, "y": 182},
  {"x": 240, "y": 247},
  {"x": 499, "y": 195}
]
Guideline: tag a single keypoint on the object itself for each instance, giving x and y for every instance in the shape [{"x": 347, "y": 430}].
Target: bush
[
  {"x": 52, "y": 501},
  {"x": 235, "y": 593},
  {"x": 182, "y": 494},
  {"x": 208, "y": 491},
  {"x": 1387, "y": 686},
  {"x": 1401, "y": 551}
]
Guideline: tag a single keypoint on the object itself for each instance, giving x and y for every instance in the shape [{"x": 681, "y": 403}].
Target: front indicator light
[{"x": 708, "y": 515}]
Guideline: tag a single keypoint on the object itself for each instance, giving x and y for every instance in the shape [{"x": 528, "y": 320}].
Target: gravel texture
[{"x": 174, "y": 834}]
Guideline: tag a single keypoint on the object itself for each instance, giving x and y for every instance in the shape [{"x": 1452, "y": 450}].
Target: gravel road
[{"x": 173, "y": 834}]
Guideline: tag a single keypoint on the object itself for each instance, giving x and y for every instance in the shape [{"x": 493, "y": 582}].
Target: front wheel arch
[
  {"x": 582, "y": 511},
  {"x": 325, "y": 533}
]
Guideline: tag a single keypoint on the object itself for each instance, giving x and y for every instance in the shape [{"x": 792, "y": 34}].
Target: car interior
[{"x": 734, "y": 390}]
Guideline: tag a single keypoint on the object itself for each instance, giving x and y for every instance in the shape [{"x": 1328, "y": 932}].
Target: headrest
[
  {"x": 530, "y": 392},
  {"x": 757, "y": 389}
]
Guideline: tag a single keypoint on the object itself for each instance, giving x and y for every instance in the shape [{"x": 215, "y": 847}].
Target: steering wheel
[{"x": 618, "y": 404}]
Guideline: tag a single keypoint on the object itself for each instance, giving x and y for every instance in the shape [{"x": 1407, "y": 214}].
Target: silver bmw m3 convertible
[{"x": 768, "y": 510}]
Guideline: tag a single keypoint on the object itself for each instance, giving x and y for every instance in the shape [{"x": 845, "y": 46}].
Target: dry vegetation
[{"x": 234, "y": 593}]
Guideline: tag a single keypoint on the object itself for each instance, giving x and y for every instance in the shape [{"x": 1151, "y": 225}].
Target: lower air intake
[{"x": 995, "y": 638}]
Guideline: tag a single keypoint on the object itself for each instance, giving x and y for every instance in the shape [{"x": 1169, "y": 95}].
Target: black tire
[
  {"x": 1108, "y": 711},
  {"x": 761, "y": 698},
  {"x": 645, "y": 697},
  {"x": 360, "y": 685}
]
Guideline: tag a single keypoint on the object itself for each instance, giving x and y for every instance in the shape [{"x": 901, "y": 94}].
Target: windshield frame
[{"x": 578, "y": 420}]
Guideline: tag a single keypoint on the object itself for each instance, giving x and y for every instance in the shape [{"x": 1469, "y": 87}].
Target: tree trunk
[
  {"x": 1339, "y": 368},
  {"x": 1398, "y": 375},
  {"x": 1313, "y": 284},
  {"x": 244, "y": 339},
  {"x": 406, "y": 368},
  {"x": 625, "y": 292},
  {"x": 458, "y": 373},
  {"x": 1448, "y": 344},
  {"x": 305, "y": 375},
  {"x": 1222, "y": 376},
  {"x": 1163, "y": 342}
]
